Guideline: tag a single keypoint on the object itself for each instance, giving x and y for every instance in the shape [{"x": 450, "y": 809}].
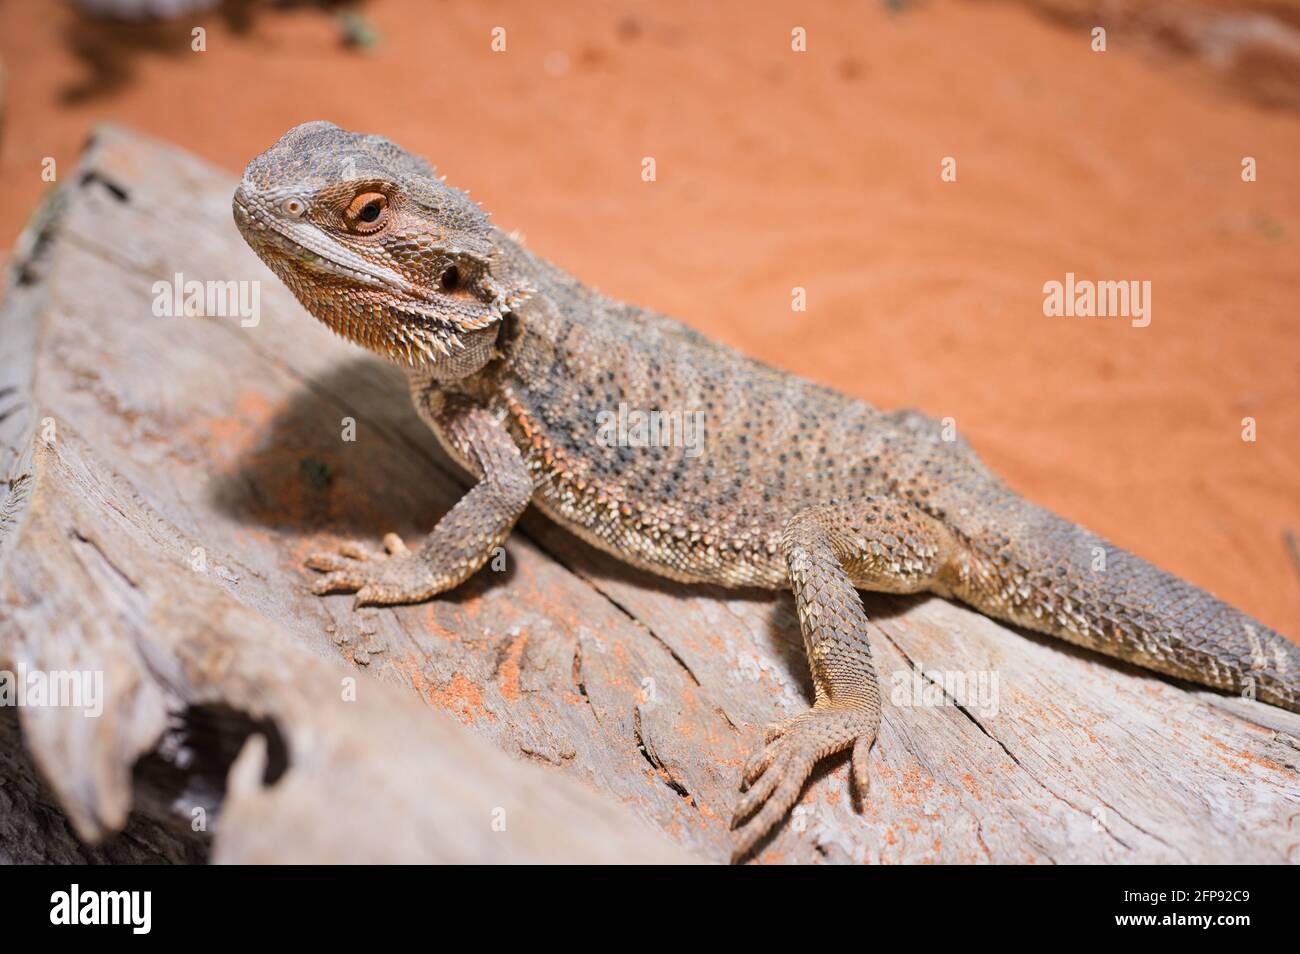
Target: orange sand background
[{"x": 821, "y": 170}]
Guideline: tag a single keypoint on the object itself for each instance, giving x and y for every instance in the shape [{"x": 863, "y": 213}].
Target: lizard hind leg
[{"x": 877, "y": 543}]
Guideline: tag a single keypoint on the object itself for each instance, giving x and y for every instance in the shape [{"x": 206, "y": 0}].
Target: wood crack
[{"x": 998, "y": 742}]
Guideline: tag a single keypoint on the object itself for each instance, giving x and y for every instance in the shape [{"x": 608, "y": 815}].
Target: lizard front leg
[
  {"x": 464, "y": 538},
  {"x": 831, "y": 550}
]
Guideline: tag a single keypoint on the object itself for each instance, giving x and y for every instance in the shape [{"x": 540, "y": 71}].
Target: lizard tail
[{"x": 1057, "y": 578}]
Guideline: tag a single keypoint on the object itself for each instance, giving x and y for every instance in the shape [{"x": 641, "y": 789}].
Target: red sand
[{"x": 821, "y": 170}]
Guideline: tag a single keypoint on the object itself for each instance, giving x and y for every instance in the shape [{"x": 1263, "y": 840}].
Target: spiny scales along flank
[{"x": 515, "y": 365}]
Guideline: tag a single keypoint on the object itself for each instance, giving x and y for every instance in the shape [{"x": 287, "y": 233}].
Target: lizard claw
[{"x": 773, "y": 778}]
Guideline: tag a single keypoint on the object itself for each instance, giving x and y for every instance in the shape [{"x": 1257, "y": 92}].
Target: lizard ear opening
[{"x": 468, "y": 299}]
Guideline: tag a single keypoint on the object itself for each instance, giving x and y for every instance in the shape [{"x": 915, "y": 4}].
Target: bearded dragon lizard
[{"x": 511, "y": 361}]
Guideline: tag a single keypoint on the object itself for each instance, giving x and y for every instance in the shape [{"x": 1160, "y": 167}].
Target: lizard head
[{"x": 377, "y": 246}]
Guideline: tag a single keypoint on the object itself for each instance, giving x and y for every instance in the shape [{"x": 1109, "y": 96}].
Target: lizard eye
[
  {"x": 366, "y": 213},
  {"x": 293, "y": 206}
]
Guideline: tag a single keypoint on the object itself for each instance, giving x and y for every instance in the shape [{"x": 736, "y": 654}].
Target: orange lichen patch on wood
[
  {"x": 675, "y": 826},
  {"x": 914, "y": 786},
  {"x": 1216, "y": 743},
  {"x": 431, "y": 625},
  {"x": 410, "y": 666},
  {"x": 1261, "y": 761},
  {"x": 694, "y": 719},
  {"x": 1248, "y": 758},
  {"x": 471, "y": 606},
  {"x": 659, "y": 772},
  {"x": 233, "y": 435},
  {"x": 509, "y": 684},
  {"x": 461, "y": 697},
  {"x": 736, "y": 761},
  {"x": 254, "y": 406},
  {"x": 721, "y": 736}
]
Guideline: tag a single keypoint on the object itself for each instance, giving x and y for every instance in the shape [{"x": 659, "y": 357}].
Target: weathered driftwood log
[{"x": 167, "y": 474}]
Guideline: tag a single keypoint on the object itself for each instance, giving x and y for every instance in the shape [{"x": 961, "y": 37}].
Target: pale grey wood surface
[{"x": 587, "y": 695}]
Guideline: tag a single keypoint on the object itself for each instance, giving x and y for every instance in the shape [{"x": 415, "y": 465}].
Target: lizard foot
[
  {"x": 774, "y": 777},
  {"x": 396, "y": 575}
]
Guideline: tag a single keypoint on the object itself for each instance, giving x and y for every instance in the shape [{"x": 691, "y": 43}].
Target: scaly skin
[{"x": 511, "y": 361}]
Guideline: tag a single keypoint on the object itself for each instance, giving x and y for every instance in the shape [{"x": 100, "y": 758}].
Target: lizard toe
[
  {"x": 774, "y": 730},
  {"x": 758, "y": 793},
  {"x": 861, "y": 777},
  {"x": 326, "y": 562},
  {"x": 771, "y": 797},
  {"x": 760, "y": 760},
  {"x": 348, "y": 553},
  {"x": 776, "y": 774},
  {"x": 340, "y": 581},
  {"x": 356, "y": 550}
]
